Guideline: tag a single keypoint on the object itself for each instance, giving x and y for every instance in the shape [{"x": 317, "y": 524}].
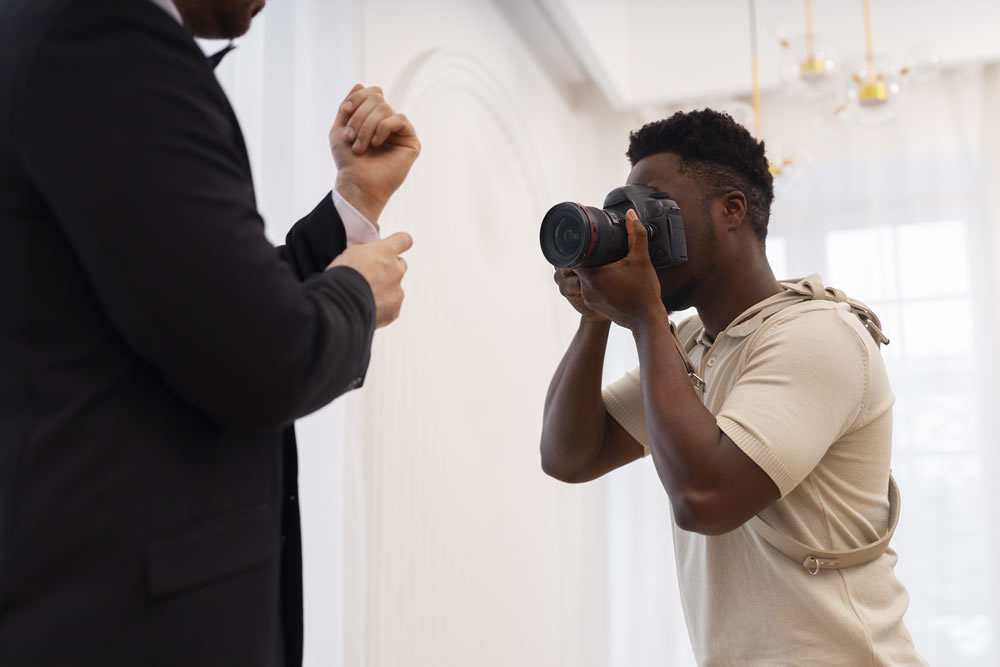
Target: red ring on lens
[{"x": 593, "y": 233}]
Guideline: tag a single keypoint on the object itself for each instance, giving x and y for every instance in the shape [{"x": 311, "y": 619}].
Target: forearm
[
  {"x": 574, "y": 417},
  {"x": 683, "y": 435}
]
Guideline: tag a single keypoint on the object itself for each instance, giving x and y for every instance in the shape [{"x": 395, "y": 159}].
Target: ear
[{"x": 734, "y": 209}]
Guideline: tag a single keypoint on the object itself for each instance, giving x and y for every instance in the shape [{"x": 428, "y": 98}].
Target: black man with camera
[{"x": 767, "y": 416}]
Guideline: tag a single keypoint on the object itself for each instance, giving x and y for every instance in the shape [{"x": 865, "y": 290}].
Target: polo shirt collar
[{"x": 750, "y": 320}]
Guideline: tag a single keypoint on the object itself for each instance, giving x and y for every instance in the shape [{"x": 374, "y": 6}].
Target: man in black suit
[{"x": 155, "y": 349}]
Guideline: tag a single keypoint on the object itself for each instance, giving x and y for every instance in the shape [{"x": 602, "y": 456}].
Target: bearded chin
[
  {"x": 680, "y": 298},
  {"x": 216, "y": 19}
]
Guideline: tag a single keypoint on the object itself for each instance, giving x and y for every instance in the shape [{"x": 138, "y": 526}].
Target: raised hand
[{"x": 373, "y": 148}]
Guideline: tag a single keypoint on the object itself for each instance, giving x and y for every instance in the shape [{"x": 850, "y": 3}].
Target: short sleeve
[
  {"x": 804, "y": 385},
  {"x": 623, "y": 401}
]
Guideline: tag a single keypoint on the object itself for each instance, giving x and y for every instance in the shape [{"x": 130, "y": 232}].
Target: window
[{"x": 916, "y": 276}]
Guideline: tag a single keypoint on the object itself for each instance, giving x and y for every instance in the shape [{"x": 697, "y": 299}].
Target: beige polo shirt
[{"x": 809, "y": 402}]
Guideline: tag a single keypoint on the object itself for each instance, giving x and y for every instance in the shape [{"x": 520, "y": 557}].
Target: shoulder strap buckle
[{"x": 814, "y": 560}]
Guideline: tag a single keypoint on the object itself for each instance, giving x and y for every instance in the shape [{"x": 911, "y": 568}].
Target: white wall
[{"x": 474, "y": 557}]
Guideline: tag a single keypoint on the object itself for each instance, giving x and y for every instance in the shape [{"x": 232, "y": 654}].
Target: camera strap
[
  {"x": 696, "y": 380},
  {"x": 811, "y": 558}
]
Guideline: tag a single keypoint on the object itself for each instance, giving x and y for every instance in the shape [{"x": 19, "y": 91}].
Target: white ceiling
[{"x": 644, "y": 52}]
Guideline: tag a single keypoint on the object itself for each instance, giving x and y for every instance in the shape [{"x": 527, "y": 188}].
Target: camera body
[{"x": 574, "y": 236}]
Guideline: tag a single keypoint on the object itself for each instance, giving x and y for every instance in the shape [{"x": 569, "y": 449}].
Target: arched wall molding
[{"x": 442, "y": 70}]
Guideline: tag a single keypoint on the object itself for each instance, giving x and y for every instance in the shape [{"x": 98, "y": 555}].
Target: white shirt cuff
[{"x": 358, "y": 228}]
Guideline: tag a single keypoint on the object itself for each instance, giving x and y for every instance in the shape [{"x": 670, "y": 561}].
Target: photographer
[
  {"x": 156, "y": 349},
  {"x": 767, "y": 416}
]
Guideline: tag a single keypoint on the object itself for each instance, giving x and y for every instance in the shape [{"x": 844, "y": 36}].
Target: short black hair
[{"x": 719, "y": 153}]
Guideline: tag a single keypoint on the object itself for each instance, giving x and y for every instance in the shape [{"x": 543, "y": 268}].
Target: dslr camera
[{"x": 575, "y": 236}]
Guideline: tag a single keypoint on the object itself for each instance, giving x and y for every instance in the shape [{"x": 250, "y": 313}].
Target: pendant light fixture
[
  {"x": 808, "y": 64},
  {"x": 875, "y": 88}
]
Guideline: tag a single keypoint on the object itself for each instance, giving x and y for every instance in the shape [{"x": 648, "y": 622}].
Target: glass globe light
[
  {"x": 809, "y": 65},
  {"x": 874, "y": 90}
]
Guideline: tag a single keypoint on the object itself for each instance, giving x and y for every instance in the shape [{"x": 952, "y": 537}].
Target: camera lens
[
  {"x": 576, "y": 236},
  {"x": 582, "y": 236},
  {"x": 568, "y": 237}
]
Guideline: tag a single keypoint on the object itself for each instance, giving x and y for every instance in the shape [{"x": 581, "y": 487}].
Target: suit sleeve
[
  {"x": 130, "y": 142},
  {"x": 315, "y": 240}
]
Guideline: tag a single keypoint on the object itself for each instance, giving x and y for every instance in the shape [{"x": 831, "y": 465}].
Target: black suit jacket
[{"x": 155, "y": 350}]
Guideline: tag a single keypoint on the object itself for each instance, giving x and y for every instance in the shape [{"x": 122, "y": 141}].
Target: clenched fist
[{"x": 373, "y": 147}]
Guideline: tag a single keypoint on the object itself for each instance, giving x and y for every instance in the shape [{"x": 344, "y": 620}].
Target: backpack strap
[
  {"x": 810, "y": 289},
  {"x": 813, "y": 290},
  {"x": 812, "y": 559}
]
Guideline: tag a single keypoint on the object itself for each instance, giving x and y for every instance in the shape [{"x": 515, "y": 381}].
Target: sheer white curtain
[{"x": 904, "y": 216}]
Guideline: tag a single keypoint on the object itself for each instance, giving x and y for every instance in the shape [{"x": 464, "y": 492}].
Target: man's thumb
[
  {"x": 638, "y": 238},
  {"x": 400, "y": 242}
]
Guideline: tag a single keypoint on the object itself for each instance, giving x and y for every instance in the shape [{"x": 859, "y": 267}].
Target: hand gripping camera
[{"x": 574, "y": 236}]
